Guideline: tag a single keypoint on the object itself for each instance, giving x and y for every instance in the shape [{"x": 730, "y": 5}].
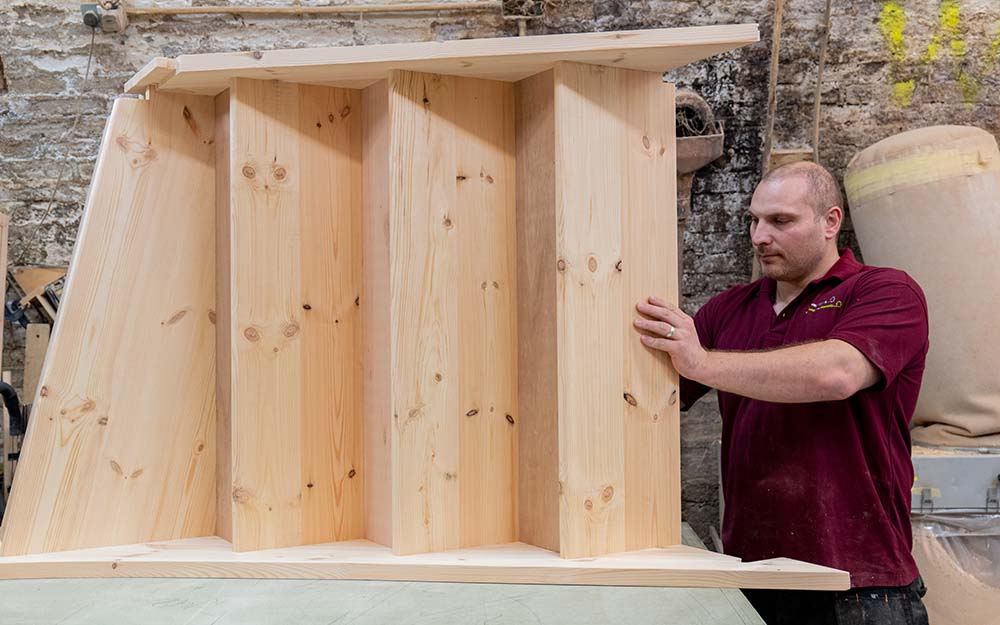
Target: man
[{"x": 818, "y": 365}]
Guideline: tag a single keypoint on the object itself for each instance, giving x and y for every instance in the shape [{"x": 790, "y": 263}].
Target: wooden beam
[
  {"x": 120, "y": 446},
  {"x": 223, "y": 338}
]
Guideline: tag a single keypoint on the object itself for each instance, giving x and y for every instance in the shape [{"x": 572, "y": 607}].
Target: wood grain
[{"x": 120, "y": 447}]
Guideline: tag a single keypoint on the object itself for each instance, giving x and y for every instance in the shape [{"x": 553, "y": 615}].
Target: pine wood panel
[
  {"x": 501, "y": 58},
  {"x": 223, "y": 338},
  {"x": 649, "y": 267},
  {"x": 295, "y": 402},
  {"x": 121, "y": 444},
  {"x": 484, "y": 224},
  {"x": 375, "y": 307},
  {"x": 423, "y": 268},
  {"x": 514, "y": 563},
  {"x": 537, "y": 369}
]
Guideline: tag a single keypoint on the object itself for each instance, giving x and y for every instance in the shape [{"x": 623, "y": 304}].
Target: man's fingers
[
  {"x": 664, "y": 345},
  {"x": 658, "y": 327},
  {"x": 656, "y": 301},
  {"x": 657, "y": 312}
]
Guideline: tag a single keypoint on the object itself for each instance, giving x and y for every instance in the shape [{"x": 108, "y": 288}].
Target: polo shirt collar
[{"x": 845, "y": 267}]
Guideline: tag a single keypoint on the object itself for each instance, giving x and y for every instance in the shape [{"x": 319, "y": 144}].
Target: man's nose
[{"x": 759, "y": 234}]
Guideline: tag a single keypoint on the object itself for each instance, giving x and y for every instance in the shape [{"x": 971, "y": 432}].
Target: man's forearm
[{"x": 797, "y": 374}]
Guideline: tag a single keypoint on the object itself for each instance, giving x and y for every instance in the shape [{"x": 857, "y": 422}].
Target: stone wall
[{"x": 891, "y": 66}]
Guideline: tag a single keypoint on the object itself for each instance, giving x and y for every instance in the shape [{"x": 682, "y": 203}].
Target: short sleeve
[
  {"x": 692, "y": 391},
  {"x": 886, "y": 320}
]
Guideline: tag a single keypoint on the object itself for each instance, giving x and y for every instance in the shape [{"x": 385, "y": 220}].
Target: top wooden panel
[{"x": 503, "y": 58}]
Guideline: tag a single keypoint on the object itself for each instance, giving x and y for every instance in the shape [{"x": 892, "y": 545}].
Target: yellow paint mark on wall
[
  {"x": 994, "y": 53},
  {"x": 949, "y": 31},
  {"x": 902, "y": 92},
  {"x": 892, "y": 23},
  {"x": 969, "y": 87}
]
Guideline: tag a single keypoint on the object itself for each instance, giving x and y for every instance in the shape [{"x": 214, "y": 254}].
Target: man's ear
[{"x": 833, "y": 220}]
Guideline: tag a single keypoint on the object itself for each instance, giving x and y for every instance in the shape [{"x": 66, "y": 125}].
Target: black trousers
[{"x": 857, "y": 606}]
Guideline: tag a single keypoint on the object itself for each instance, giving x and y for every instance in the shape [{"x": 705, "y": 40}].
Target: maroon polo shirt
[{"x": 825, "y": 482}]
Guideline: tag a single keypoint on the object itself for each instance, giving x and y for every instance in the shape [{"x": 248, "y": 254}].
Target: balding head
[{"x": 822, "y": 189}]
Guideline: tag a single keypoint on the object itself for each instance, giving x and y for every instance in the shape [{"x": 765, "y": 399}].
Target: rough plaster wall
[{"x": 890, "y": 67}]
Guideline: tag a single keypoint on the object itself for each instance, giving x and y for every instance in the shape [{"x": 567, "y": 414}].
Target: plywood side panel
[
  {"x": 223, "y": 337},
  {"x": 295, "y": 270},
  {"x": 649, "y": 267},
  {"x": 114, "y": 454},
  {"x": 424, "y": 268},
  {"x": 487, "y": 330},
  {"x": 537, "y": 379},
  {"x": 591, "y": 157},
  {"x": 375, "y": 307}
]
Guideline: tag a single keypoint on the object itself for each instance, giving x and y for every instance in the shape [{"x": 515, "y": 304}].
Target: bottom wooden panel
[{"x": 512, "y": 563}]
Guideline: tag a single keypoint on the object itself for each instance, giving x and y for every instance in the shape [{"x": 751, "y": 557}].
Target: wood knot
[
  {"x": 426, "y": 101},
  {"x": 645, "y": 142},
  {"x": 460, "y": 178},
  {"x": 44, "y": 392},
  {"x": 310, "y": 485},
  {"x": 351, "y": 473},
  {"x": 561, "y": 265},
  {"x": 357, "y": 301},
  {"x": 102, "y": 421},
  {"x": 306, "y": 307},
  {"x": 319, "y": 124},
  {"x": 344, "y": 112},
  {"x": 588, "y": 505},
  {"x": 280, "y": 173},
  {"x": 248, "y": 171},
  {"x": 88, "y": 405},
  {"x": 447, "y": 222},
  {"x": 177, "y": 316},
  {"x": 241, "y": 495},
  {"x": 592, "y": 264},
  {"x": 114, "y": 565},
  {"x": 211, "y": 317},
  {"x": 510, "y": 419},
  {"x": 673, "y": 397},
  {"x": 607, "y": 494},
  {"x": 483, "y": 285},
  {"x": 331, "y": 118},
  {"x": 291, "y": 330},
  {"x": 257, "y": 55},
  {"x": 251, "y": 334},
  {"x": 618, "y": 266},
  {"x": 630, "y": 399},
  {"x": 438, "y": 377},
  {"x": 496, "y": 285},
  {"x": 472, "y": 412},
  {"x": 200, "y": 447}
]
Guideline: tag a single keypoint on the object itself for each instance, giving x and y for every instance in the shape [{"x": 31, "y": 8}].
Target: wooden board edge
[
  {"x": 687, "y": 567},
  {"x": 156, "y": 72}
]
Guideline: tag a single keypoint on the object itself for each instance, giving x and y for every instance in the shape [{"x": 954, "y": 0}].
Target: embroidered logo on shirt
[{"x": 831, "y": 302}]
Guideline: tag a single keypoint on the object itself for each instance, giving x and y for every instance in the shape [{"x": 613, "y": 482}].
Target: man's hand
[{"x": 672, "y": 331}]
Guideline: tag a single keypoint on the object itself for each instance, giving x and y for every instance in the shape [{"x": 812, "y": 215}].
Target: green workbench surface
[{"x": 326, "y": 602}]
